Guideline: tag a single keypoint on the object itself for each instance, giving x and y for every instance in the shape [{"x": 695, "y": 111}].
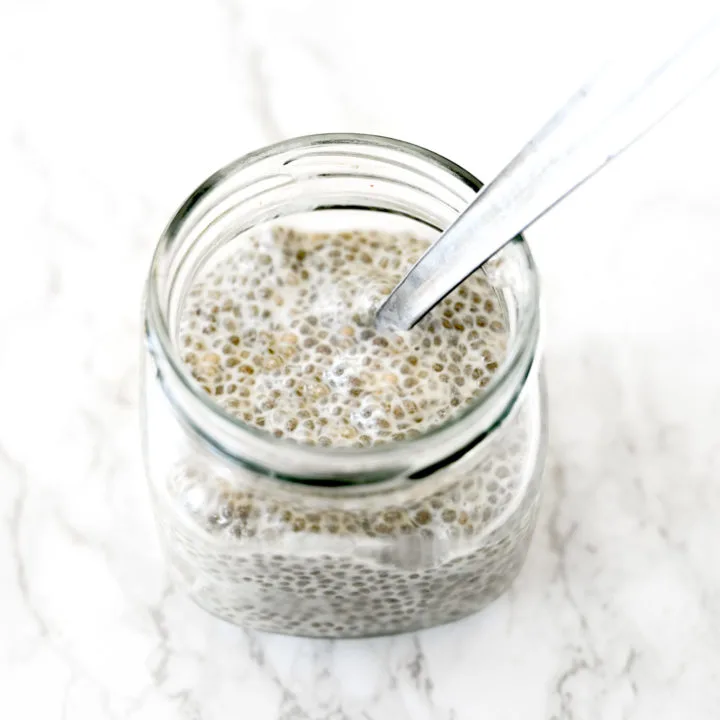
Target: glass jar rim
[{"x": 509, "y": 379}]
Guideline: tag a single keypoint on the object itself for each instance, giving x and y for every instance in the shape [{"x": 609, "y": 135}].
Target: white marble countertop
[{"x": 111, "y": 114}]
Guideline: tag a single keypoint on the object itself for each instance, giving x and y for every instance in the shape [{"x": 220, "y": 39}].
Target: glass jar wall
[{"x": 291, "y": 537}]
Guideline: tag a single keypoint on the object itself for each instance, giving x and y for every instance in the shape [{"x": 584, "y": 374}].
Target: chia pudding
[{"x": 279, "y": 333}]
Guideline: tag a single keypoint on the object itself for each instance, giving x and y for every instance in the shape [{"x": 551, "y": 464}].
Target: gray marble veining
[{"x": 111, "y": 115}]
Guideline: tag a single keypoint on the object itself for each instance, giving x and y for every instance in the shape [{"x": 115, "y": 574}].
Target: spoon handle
[{"x": 602, "y": 119}]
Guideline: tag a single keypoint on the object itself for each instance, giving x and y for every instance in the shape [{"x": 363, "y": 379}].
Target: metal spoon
[{"x": 601, "y": 120}]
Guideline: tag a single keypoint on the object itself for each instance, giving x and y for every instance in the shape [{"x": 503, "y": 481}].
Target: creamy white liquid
[{"x": 280, "y": 334}]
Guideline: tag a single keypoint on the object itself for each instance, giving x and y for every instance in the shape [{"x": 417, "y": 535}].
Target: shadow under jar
[{"x": 323, "y": 540}]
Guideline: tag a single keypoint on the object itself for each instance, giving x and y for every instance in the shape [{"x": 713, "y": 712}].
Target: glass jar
[{"x": 339, "y": 542}]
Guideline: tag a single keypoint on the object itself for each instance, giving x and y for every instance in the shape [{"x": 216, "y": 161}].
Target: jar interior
[{"x": 333, "y": 186}]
